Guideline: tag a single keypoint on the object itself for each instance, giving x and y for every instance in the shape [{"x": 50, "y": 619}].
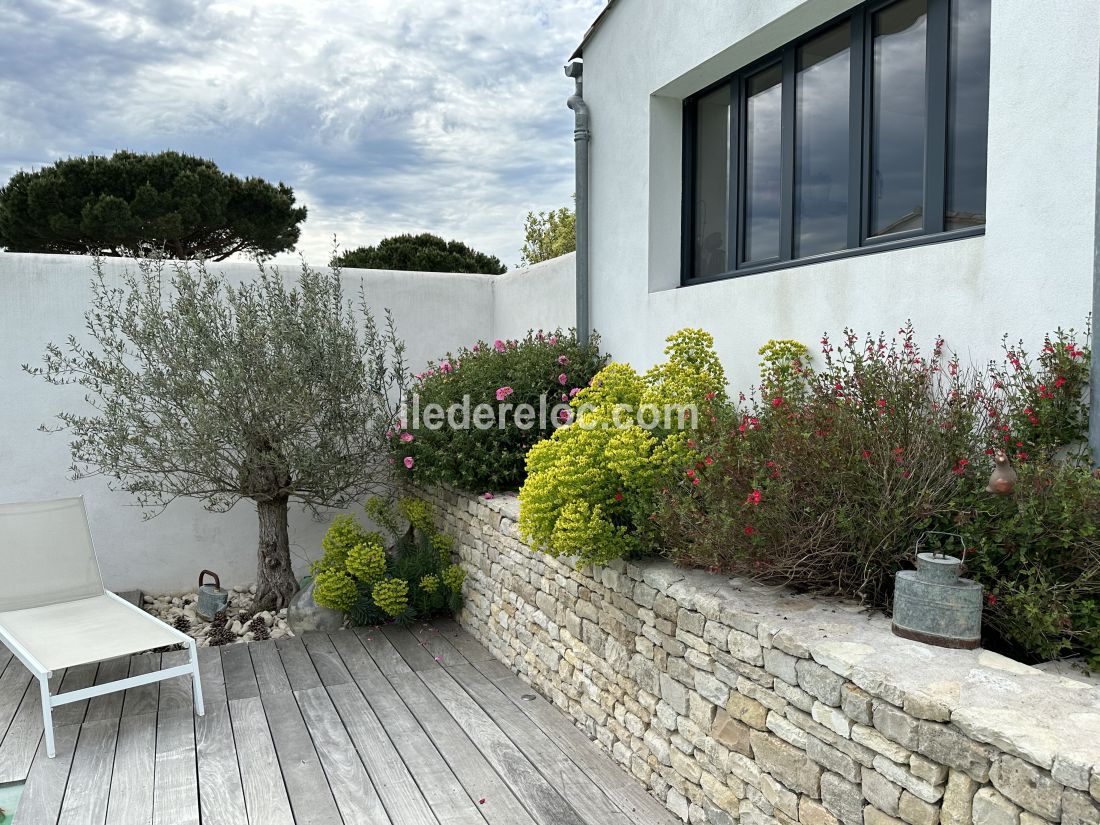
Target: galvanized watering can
[
  {"x": 933, "y": 605},
  {"x": 212, "y": 598}
]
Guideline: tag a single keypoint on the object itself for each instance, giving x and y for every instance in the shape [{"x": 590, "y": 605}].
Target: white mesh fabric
[{"x": 46, "y": 554}]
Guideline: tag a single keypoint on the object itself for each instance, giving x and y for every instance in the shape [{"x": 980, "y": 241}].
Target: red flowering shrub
[{"x": 828, "y": 491}]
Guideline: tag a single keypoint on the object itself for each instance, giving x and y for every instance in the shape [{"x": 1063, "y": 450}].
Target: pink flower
[
  {"x": 406, "y": 437},
  {"x": 553, "y": 340},
  {"x": 563, "y": 379},
  {"x": 504, "y": 392},
  {"x": 564, "y": 398},
  {"x": 563, "y": 359},
  {"x": 564, "y": 416},
  {"x": 574, "y": 391},
  {"x": 486, "y": 496},
  {"x": 499, "y": 345},
  {"x": 475, "y": 348},
  {"x": 408, "y": 462},
  {"x": 445, "y": 366}
]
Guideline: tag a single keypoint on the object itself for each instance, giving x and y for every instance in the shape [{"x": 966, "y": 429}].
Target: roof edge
[{"x": 579, "y": 51}]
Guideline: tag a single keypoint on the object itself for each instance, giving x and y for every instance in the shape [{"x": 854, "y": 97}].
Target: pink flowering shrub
[{"x": 541, "y": 370}]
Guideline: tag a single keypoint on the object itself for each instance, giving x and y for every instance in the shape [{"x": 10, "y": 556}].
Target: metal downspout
[
  {"x": 581, "y": 138},
  {"x": 1094, "y": 361}
]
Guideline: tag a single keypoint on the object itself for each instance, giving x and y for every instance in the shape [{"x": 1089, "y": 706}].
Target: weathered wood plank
[
  {"x": 438, "y": 645},
  {"x": 76, "y": 678},
  {"x": 175, "y": 693},
  {"x": 130, "y": 799},
  {"x": 412, "y": 649},
  {"x": 621, "y": 787},
  {"x": 310, "y": 798},
  {"x": 270, "y": 674},
  {"x": 325, "y": 659},
  {"x": 540, "y": 798},
  {"x": 21, "y": 741},
  {"x": 237, "y": 671},
  {"x": 264, "y": 791},
  {"x": 296, "y": 662},
  {"x": 142, "y": 699},
  {"x": 175, "y": 780},
  {"x": 85, "y": 801},
  {"x": 470, "y": 648},
  {"x": 383, "y": 653},
  {"x": 221, "y": 795},
  {"x": 455, "y": 802},
  {"x": 109, "y": 705},
  {"x": 585, "y": 795},
  {"x": 351, "y": 786},
  {"x": 5, "y": 657},
  {"x": 13, "y": 685},
  {"x": 45, "y": 789},
  {"x": 404, "y": 802},
  {"x": 210, "y": 674}
]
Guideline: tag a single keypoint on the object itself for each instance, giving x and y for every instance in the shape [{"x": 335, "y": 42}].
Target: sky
[{"x": 385, "y": 116}]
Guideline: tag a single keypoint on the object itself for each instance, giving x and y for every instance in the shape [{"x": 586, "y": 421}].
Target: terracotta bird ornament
[{"x": 1003, "y": 478}]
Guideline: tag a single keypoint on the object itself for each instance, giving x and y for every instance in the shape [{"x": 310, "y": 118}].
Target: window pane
[
  {"x": 821, "y": 143},
  {"x": 711, "y": 181},
  {"x": 967, "y": 113},
  {"x": 898, "y": 117},
  {"x": 764, "y": 94}
]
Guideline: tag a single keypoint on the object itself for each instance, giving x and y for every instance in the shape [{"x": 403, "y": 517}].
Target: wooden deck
[{"x": 409, "y": 727}]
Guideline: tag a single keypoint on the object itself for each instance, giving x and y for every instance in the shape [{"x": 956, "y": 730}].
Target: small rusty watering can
[
  {"x": 212, "y": 599},
  {"x": 933, "y": 605}
]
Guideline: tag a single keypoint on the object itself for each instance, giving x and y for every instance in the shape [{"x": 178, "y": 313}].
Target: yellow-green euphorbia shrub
[{"x": 590, "y": 487}]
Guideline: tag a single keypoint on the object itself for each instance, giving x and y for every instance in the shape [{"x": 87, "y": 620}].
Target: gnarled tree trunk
[{"x": 275, "y": 582}]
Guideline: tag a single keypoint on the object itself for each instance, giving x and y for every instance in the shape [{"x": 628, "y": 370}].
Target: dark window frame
[{"x": 859, "y": 242}]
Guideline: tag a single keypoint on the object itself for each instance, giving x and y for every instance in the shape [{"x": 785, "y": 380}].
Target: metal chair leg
[
  {"x": 196, "y": 683},
  {"x": 47, "y": 716}
]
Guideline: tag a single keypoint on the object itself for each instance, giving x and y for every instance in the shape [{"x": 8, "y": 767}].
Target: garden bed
[{"x": 731, "y": 699}]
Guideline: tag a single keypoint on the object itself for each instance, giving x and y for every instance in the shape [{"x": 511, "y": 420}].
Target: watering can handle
[
  {"x": 213, "y": 575},
  {"x": 936, "y": 552}
]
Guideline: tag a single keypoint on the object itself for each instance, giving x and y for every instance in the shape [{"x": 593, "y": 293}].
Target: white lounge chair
[{"x": 55, "y": 612}]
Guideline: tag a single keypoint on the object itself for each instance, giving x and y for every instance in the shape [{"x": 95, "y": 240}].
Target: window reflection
[
  {"x": 967, "y": 113},
  {"x": 898, "y": 117},
  {"x": 821, "y": 143},
  {"x": 764, "y": 94},
  {"x": 711, "y": 181}
]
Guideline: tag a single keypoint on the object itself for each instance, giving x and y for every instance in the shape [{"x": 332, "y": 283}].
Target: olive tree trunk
[{"x": 275, "y": 582}]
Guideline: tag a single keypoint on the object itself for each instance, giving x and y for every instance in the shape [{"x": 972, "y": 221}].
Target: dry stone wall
[{"x": 737, "y": 702}]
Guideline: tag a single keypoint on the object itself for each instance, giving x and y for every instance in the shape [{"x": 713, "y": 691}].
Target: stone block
[
  {"x": 814, "y": 813},
  {"x": 832, "y": 718},
  {"x": 843, "y": 799},
  {"x": 1079, "y": 809},
  {"x": 880, "y": 791},
  {"x": 916, "y": 811},
  {"x": 685, "y": 765},
  {"x": 856, "y": 704},
  {"x": 711, "y": 688},
  {"x": 747, "y": 710},
  {"x": 832, "y": 759},
  {"x": 745, "y": 647},
  {"x": 926, "y": 769},
  {"x": 785, "y": 730},
  {"x": 674, "y": 694},
  {"x": 732, "y": 733},
  {"x": 691, "y": 622},
  {"x": 946, "y": 745},
  {"x": 1028, "y": 786},
  {"x": 658, "y": 746},
  {"x": 781, "y": 665},
  {"x": 895, "y": 724},
  {"x": 820, "y": 682},
  {"x": 991, "y": 808},
  {"x": 875, "y": 741},
  {"x": 912, "y": 783},
  {"x": 786, "y": 763}
]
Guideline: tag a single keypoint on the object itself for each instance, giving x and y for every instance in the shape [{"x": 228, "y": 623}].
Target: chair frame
[{"x": 51, "y": 701}]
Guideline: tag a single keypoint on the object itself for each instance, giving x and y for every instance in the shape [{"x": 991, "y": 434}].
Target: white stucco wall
[
  {"x": 1030, "y": 273},
  {"x": 539, "y": 297},
  {"x": 43, "y": 299}
]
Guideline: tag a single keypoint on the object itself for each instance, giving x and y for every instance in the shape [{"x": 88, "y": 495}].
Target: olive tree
[{"x": 198, "y": 387}]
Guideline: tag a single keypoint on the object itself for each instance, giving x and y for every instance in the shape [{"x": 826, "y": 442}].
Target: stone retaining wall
[{"x": 733, "y": 701}]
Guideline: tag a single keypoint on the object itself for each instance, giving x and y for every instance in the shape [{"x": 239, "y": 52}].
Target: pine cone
[
  {"x": 219, "y": 619},
  {"x": 182, "y": 624},
  {"x": 221, "y": 636},
  {"x": 259, "y": 630}
]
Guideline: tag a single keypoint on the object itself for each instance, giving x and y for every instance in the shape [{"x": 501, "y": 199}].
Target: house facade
[{"x": 785, "y": 168}]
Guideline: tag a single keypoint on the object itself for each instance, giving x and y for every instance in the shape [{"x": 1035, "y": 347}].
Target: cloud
[{"x": 385, "y": 116}]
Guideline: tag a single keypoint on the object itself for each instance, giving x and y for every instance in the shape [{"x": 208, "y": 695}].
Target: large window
[{"x": 869, "y": 133}]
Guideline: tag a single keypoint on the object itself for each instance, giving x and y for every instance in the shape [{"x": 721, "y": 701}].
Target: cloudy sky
[{"x": 385, "y": 116}]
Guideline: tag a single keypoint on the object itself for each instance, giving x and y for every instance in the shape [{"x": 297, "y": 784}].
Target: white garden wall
[
  {"x": 43, "y": 299},
  {"x": 1031, "y": 271}
]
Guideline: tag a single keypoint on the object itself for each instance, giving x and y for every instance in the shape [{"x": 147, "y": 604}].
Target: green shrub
[
  {"x": 590, "y": 488},
  {"x": 1037, "y": 552},
  {"x": 541, "y": 370},
  {"x": 357, "y": 575}
]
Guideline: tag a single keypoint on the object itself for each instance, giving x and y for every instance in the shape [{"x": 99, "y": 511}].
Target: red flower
[
  {"x": 881, "y": 403},
  {"x": 866, "y": 453},
  {"x": 750, "y": 530},
  {"x": 708, "y": 460},
  {"x": 618, "y": 496},
  {"x": 777, "y": 401},
  {"x": 990, "y": 599},
  {"x": 754, "y": 497},
  {"x": 1059, "y": 381}
]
